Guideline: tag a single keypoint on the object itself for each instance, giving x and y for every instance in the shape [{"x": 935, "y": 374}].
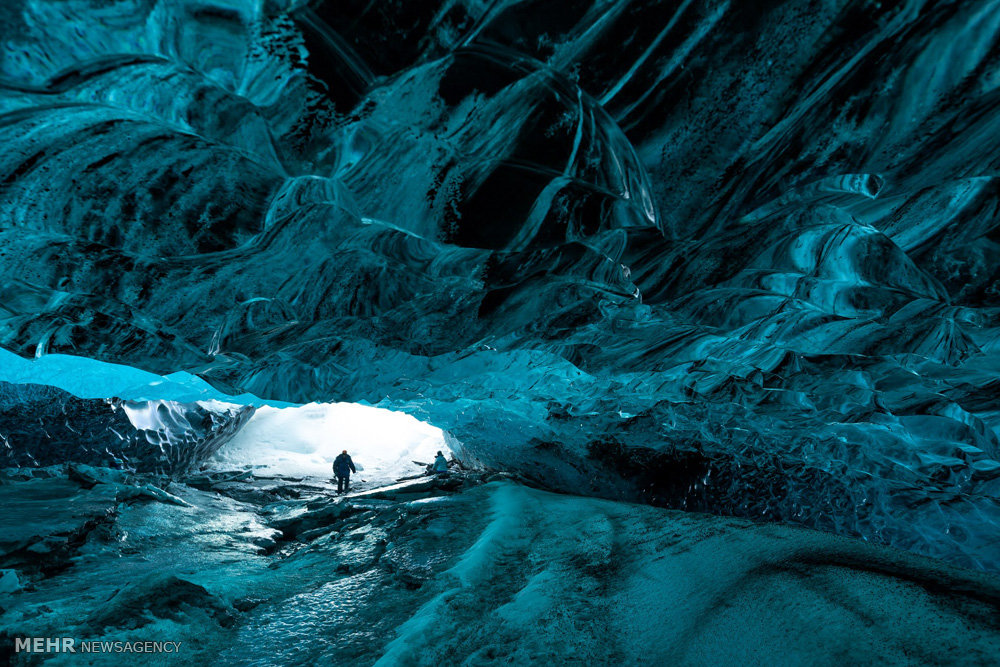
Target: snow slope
[{"x": 303, "y": 442}]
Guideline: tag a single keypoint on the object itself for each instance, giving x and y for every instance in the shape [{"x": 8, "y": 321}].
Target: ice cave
[{"x": 656, "y": 332}]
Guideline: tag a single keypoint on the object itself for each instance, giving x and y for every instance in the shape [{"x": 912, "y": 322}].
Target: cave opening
[
  {"x": 302, "y": 441},
  {"x": 274, "y": 439}
]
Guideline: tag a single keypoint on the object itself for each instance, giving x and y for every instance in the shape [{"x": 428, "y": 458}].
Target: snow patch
[{"x": 303, "y": 441}]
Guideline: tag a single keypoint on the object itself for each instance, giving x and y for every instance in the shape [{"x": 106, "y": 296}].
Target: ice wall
[
  {"x": 734, "y": 257},
  {"x": 42, "y": 425}
]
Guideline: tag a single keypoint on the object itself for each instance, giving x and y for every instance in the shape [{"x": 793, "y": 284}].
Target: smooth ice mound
[
  {"x": 494, "y": 574},
  {"x": 720, "y": 257}
]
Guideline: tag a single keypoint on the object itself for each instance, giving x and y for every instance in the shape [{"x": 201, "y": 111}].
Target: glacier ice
[
  {"x": 42, "y": 426},
  {"x": 89, "y": 378},
  {"x": 737, "y": 258},
  {"x": 494, "y": 573}
]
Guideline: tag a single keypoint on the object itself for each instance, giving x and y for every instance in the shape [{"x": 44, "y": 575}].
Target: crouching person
[{"x": 440, "y": 465}]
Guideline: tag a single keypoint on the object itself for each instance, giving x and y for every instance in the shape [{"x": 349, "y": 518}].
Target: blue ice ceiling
[{"x": 730, "y": 257}]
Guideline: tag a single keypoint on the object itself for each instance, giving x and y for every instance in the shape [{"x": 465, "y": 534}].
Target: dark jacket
[{"x": 343, "y": 466}]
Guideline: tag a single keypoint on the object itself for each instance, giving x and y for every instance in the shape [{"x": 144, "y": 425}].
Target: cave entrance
[
  {"x": 302, "y": 441},
  {"x": 279, "y": 440}
]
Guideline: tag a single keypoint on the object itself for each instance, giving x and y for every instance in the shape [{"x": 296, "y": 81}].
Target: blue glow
[{"x": 730, "y": 258}]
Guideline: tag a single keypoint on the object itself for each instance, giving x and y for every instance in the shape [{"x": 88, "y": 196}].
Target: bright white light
[
  {"x": 298, "y": 441},
  {"x": 303, "y": 441}
]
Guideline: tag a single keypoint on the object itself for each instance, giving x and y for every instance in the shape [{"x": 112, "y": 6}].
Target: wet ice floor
[{"x": 471, "y": 568}]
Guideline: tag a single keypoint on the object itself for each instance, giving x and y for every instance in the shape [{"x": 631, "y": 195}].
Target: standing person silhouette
[{"x": 343, "y": 466}]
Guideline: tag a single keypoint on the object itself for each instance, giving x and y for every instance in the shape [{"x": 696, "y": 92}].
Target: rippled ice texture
[{"x": 733, "y": 257}]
